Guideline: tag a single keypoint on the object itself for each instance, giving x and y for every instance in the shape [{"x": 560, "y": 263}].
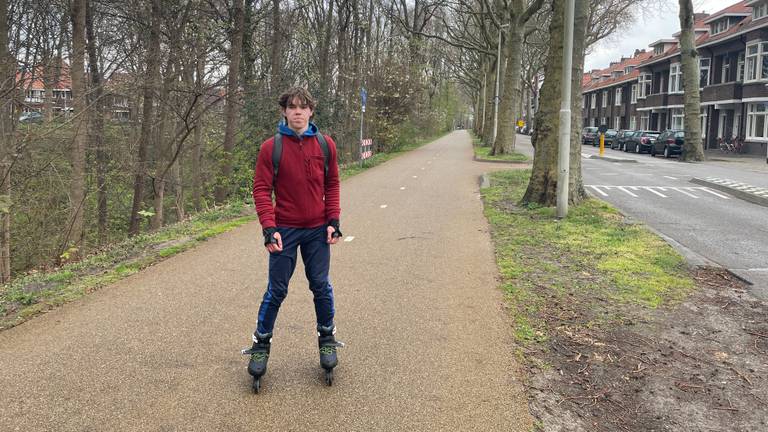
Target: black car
[
  {"x": 669, "y": 143},
  {"x": 641, "y": 141},
  {"x": 588, "y": 135},
  {"x": 610, "y": 136},
  {"x": 621, "y": 138}
]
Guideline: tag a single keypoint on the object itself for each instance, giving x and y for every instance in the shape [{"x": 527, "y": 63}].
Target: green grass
[{"x": 591, "y": 263}]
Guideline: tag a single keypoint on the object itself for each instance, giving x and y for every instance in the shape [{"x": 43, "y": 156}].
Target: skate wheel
[
  {"x": 256, "y": 385},
  {"x": 329, "y": 377}
]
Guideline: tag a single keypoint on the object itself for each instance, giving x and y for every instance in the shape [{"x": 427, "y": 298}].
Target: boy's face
[{"x": 297, "y": 113}]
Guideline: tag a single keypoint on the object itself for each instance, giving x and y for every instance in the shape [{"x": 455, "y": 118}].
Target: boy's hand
[
  {"x": 332, "y": 239},
  {"x": 272, "y": 240}
]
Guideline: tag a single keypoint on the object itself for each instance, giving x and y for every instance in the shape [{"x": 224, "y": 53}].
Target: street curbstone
[{"x": 743, "y": 191}]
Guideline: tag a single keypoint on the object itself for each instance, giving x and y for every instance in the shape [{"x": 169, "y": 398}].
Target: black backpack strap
[
  {"x": 326, "y": 151},
  {"x": 277, "y": 152}
]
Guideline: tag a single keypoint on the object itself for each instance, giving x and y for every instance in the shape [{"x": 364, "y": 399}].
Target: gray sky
[{"x": 650, "y": 25}]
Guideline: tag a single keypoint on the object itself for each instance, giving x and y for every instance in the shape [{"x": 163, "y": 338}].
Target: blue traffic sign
[{"x": 363, "y": 95}]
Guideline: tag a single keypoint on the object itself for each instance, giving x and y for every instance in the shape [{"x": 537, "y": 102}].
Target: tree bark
[
  {"x": 97, "y": 125},
  {"x": 508, "y": 105},
  {"x": 233, "y": 101},
  {"x": 7, "y": 90},
  {"x": 150, "y": 86},
  {"x": 693, "y": 148},
  {"x": 276, "y": 53},
  {"x": 74, "y": 237},
  {"x": 542, "y": 187}
]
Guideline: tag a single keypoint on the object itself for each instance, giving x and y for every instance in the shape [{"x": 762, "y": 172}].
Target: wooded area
[{"x": 155, "y": 109}]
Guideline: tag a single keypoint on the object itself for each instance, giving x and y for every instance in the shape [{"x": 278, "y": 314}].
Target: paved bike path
[{"x": 429, "y": 342}]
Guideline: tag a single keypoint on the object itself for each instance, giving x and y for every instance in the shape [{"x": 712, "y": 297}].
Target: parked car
[
  {"x": 621, "y": 138},
  {"x": 588, "y": 135},
  {"x": 669, "y": 143},
  {"x": 610, "y": 136},
  {"x": 31, "y": 117},
  {"x": 641, "y": 141}
]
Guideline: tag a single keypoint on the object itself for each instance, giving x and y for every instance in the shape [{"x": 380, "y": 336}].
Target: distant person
[{"x": 300, "y": 166}]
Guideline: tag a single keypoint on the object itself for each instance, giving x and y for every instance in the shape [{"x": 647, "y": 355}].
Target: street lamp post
[
  {"x": 496, "y": 98},
  {"x": 564, "y": 146}
]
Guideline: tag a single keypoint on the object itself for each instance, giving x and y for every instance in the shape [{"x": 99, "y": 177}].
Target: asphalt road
[
  {"x": 707, "y": 225},
  {"x": 428, "y": 339}
]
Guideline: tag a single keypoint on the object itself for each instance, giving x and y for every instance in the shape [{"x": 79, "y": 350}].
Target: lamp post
[
  {"x": 496, "y": 98},
  {"x": 564, "y": 145}
]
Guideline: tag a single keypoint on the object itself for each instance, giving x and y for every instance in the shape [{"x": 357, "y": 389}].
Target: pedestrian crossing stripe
[
  {"x": 660, "y": 191},
  {"x": 756, "y": 190}
]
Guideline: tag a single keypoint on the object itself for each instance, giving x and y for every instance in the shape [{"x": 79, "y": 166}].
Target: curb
[
  {"x": 611, "y": 159},
  {"x": 476, "y": 159},
  {"x": 753, "y": 194}
]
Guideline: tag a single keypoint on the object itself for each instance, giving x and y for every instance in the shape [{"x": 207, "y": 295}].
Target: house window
[
  {"x": 594, "y": 101},
  {"x": 644, "y": 121},
  {"x": 603, "y": 121},
  {"x": 756, "y": 122},
  {"x": 704, "y": 64},
  {"x": 618, "y": 96},
  {"x": 633, "y": 94},
  {"x": 617, "y": 123},
  {"x": 605, "y": 98},
  {"x": 628, "y": 70},
  {"x": 703, "y": 120},
  {"x": 678, "y": 118},
  {"x": 645, "y": 86},
  {"x": 675, "y": 76},
  {"x": 736, "y": 124},
  {"x": 759, "y": 11},
  {"x": 632, "y": 122},
  {"x": 740, "y": 68},
  {"x": 725, "y": 72},
  {"x": 757, "y": 61},
  {"x": 658, "y": 49},
  {"x": 720, "y": 26}
]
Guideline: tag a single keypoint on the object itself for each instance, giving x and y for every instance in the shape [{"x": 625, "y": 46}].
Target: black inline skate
[
  {"x": 259, "y": 352},
  {"x": 327, "y": 343}
]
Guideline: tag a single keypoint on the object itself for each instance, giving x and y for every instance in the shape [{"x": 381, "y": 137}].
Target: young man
[{"x": 300, "y": 166}]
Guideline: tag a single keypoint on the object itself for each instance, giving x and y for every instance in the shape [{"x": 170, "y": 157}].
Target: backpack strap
[
  {"x": 277, "y": 152},
  {"x": 326, "y": 152}
]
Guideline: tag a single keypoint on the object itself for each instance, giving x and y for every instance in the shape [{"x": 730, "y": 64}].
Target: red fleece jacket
[{"x": 304, "y": 196}]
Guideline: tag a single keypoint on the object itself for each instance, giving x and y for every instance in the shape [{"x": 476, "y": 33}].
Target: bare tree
[
  {"x": 7, "y": 112},
  {"x": 74, "y": 238},
  {"x": 689, "y": 57}
]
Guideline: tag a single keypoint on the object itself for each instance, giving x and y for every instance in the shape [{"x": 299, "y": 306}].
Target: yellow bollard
[{"x": 602, "y": 144}]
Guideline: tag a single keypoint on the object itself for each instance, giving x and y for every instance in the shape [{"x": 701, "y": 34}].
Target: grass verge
[
  {"x": 481, "y": 153},
  {"x": 37, "y": 292},
  {"x": 585, "y": 270}
]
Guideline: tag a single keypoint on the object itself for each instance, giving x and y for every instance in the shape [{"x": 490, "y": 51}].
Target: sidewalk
[{"x": 752, "y": 161}]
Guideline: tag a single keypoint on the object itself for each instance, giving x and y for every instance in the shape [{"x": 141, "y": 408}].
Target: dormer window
[
  {"x": 628, "y": 70},
  {"x": 759, "y": 11},
  {"x": 658, "y": 49},
  {"x": 615, "y": 74},
  {"x": 720, "y": 26}
]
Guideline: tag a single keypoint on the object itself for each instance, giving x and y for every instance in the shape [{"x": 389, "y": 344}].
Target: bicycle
[{"x": 735, "y": 145}]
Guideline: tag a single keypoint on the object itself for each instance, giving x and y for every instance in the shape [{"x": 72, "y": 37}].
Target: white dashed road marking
[
  {"x": 687, "y": 193},
  {"x": 670, "y": 177},
  {"x": 715, "y": 193},
  {"x": 621, "y": 188},
  {"x": 657, "y": 193},
  {"x": 349, "y": 238},
  {"x": 402, "y": 188},
  {"x": 597, "y": 188},
  {"x": 383, "y": 206}
]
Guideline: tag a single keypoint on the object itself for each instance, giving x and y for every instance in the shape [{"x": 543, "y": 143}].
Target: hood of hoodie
[{"x": 285, "y": 130}]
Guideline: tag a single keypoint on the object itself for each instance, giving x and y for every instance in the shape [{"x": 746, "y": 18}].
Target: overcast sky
[{"x": 649, "y": 26}]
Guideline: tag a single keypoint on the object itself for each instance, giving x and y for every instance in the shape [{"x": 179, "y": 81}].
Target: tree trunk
[
  {"x": 97, "y": 125},
  {"x": 510, "y": 99},
  {"x": 276, "y": 52},
  {"x": 233, "y": 101},
  {"x": 693, "y": 147},
  {"x": 7, "y": 90},
  {"x": 74, "y": 237},
  {"x": 197, "y": 146},
  {"x": 542, "y": 187},
  {"x": 150, "y": 86}
]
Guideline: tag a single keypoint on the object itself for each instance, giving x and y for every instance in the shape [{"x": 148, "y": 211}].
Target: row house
[
  {"x": 733, "y": 75},
  {"x": 33, "y": 89}
]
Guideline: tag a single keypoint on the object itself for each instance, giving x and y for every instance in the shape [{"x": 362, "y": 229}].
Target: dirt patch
[{"x": 700, "y": 365}]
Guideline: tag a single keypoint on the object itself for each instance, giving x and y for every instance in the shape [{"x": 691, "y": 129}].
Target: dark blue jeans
[{"x": 316, "y": 255}]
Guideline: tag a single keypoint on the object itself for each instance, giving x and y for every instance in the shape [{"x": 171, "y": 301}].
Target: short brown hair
[{"x": 296, "y": 92}]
